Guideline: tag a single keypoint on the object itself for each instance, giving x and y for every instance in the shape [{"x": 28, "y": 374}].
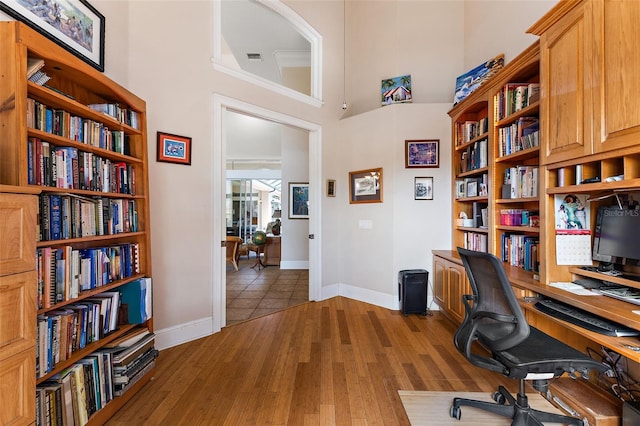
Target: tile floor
[{"x": 252, "y": 293}]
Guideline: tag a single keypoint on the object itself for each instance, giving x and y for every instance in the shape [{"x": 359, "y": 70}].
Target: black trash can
[{"x": 412, "y": 288}]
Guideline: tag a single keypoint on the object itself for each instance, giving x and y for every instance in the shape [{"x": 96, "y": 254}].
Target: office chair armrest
[{"x": 479, "y": 360}]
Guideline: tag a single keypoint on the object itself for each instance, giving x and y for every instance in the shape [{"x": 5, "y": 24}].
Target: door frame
[{"x": 222, "y": 103}]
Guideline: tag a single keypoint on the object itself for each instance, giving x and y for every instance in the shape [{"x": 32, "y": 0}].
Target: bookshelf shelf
[{"x": 97, "y": 243}]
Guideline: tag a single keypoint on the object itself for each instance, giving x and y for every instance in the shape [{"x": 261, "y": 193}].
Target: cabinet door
[
  {"x": 457, "y": 288},
  {"x": 17, "y": 387},
  {"x": 616, "y": 65},
  {"x": 566, "y": 105},
  {"x": 440, "y": 282},
  {"x": 17, "y": 313},
  {"x": 18, "y": 230}
]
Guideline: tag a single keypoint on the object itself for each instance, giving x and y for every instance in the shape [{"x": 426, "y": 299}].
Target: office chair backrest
[{"x": 493, "y": 315}]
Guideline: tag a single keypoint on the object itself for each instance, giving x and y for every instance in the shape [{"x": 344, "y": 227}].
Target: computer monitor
[{"x": 617, "y": 235}]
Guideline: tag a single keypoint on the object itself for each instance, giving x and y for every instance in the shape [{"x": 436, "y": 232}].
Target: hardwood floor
[{"x": 338, "y": 361}]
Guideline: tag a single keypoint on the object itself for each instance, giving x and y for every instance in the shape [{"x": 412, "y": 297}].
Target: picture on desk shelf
[
  {"x": 365, "y": 186},
  {"x": 73, "y": 24},
  {"x": 298, "y": 200},
  {"x": 423, "y": 153},
  {"x": 571, "y": 212},
  {"x": 174, "y": 149},
  {"x": 423, "y": 188}
]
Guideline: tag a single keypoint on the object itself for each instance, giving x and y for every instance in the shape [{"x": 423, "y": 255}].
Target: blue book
[
  {"x": 55, "y": 211},
  {"x": 48, "y": 124}
]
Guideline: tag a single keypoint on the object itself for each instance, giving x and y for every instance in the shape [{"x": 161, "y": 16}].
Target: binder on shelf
[{"x": 136, "y": 301}]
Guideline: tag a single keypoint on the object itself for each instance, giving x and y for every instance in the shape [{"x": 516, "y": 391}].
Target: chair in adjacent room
[
  {"x": 509, "y": 345},
  {"x": 233, "y": 244}
]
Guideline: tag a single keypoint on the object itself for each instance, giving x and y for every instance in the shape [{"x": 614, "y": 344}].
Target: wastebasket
[{"x": 412, "y": 289}]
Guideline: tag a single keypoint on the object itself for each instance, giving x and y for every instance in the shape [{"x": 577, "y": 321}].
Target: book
[
  {"x": 33, "y": 66},
  {"x": 136, "y": 300},
  {"x": 128, "y": 339}
]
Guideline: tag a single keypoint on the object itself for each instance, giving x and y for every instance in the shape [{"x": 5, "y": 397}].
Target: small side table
[{"x": 258, "y": 250}]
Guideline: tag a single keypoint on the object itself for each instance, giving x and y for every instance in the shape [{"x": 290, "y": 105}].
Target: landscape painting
[{"x": 472, "y": 79}]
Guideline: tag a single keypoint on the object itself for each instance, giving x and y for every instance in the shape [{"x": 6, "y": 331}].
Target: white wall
[{"x": 161, "y": 50}]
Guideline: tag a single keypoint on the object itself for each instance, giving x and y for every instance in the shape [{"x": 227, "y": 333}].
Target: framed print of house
[{"x": 396, "y": 90}]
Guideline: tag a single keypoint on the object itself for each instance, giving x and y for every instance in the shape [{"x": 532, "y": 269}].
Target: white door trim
[{"x": 220, "y": 104}]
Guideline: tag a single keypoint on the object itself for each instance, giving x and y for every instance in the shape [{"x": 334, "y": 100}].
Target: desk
[{"x": 258, "y": 250}]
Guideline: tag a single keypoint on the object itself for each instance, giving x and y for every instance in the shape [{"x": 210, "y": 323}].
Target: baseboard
[
  {"x": 183, "y": 333},
  {"x": 294, "y": 264},
  {"x": 361, "y": 294}
]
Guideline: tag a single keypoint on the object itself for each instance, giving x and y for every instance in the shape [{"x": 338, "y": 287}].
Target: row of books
[
  {"x": 475, "y": 241},
  {"x": 62, "y": 332},
  {"x": 62, "y": 123},
  {"x": 515, "y": 97},
  {"x": 70, "y": 168},
  {"x": 470, "y": 129},
  {"x": 520, "y": 135},
  {"x": 124, "y": 115},
  {"x": 75, "y": 394},
  {"x": 65, "y": 216},
  {"x": 520, "y": 251},
  {"x": 64, "y": 272},
  {"x": 519, "y": 217},
  {"x": 522, "y": 181},
  {"x": 474, "y": 156}
]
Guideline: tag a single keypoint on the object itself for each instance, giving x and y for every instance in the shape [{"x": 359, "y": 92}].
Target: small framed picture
[
  {"x": 472, "y": 188},
  {"x": 174, "y": 149},
  {"x": 422, "y": 153},
  {"x": 365, "y": 186},
  {"x": 461, "y": 188},
  {"x": 423, "y": 188},
  {"x": 298, "y": 200},
  {"x": 331, "y": 188}
]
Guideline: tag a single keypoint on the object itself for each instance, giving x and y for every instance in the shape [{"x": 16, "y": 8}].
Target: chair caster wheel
[
  {"x": 455, "y": 412},
  {"x": 499, "y": 398}
]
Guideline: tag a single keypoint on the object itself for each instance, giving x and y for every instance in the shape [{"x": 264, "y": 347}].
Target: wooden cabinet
[
  {"x": 17, "y": 306},
  {"x": 450, "y": 284},
  {"x": 589, "y": 70},
  {"x": 79, "y": 140},
  {"x": 272, "y": 250}
]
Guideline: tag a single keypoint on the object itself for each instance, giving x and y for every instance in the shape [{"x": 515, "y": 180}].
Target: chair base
[{"x": 518, "y": 410}]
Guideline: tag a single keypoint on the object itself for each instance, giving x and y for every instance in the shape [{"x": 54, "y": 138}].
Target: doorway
[{"x": 221, "y": 105}]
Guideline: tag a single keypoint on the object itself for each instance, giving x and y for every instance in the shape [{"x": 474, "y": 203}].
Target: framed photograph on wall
[
  {"x": 298, "y": 200},
  {"x": 331, "y": 188},
  {"x": 73, "y": 24},
  {"x": 174, "y": 149},
  {"x": 365, "y": 186},
  {"x": 422, "y": 153},
  {"x": 423, "y": 188}
]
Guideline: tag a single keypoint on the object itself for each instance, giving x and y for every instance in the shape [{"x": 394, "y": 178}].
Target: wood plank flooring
[{"x": 338, "y": 361}]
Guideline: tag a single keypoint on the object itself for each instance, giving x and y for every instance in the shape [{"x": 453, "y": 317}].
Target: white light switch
[{"x": 365, "y": 224}]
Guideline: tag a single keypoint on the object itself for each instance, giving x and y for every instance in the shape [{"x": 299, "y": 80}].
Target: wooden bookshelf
[
  {"x": 96, "y": 156},
  {"x": 589, "y": 127}
]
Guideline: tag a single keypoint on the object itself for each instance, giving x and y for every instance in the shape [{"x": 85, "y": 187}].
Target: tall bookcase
[{"x": 94, "y": 132}]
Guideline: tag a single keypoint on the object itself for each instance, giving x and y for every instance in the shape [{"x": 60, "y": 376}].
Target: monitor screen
[{"x": 617, "y": 235}]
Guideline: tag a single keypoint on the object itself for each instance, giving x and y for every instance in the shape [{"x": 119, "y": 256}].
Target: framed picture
[
  {"x": 331, "y": 188},
  {"x": 461, "y": 188},
  {"x": 423, "y": 188},
  {"x": 474, "y": 78},
  {"x": 396, "y": 90},
  {"x": 365, "y": 186},
  {"x": 73, "y": 24},
  {"x": 472, "y": 187},
  {"x": 298, "y": 200},
  {"x": 174, "y": 149},
  {"x": 422, "y": 153}
]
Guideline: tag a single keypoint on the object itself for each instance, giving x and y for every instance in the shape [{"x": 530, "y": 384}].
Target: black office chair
[{"x": 494, "y": 319}]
